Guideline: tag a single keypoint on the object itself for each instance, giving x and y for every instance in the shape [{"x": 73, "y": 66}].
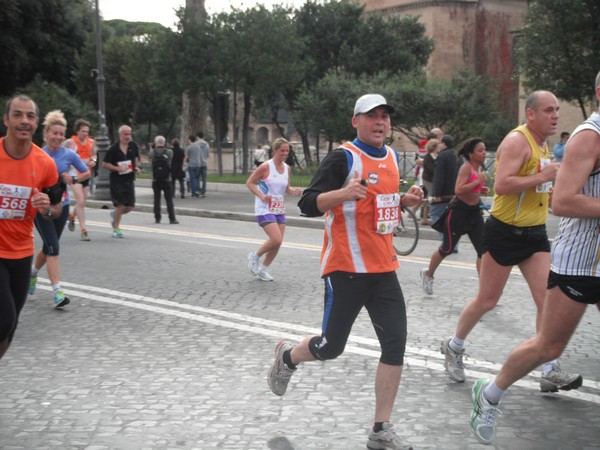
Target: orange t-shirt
[
  {"x": 18, "y": 177},
  {"x": 359, "y": 234}
]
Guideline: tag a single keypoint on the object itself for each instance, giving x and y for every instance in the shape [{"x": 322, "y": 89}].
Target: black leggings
[
  {"x": 51, "y": 230},
  {"x": 345, "y": 295},
  {"x": 14, "y": 284}
]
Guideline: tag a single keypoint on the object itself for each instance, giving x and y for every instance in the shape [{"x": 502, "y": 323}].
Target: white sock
[
  {"x": 56, "y": 287},
  {"x": 549, "y": 366},
  {"x": 493, "y": 393},
  {"x": 456, "y": 344},
  {"x": 34, "y": 271}
]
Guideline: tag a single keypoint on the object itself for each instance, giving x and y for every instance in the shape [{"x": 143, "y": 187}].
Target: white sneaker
[
  {"x": 483, "y": 414},
  {"x": 453, "y": 362},
  {"x": 427, "y": 282},
  {"x": 557, "y": 379},
  {"x": 253, "y": 264},
  {"x": 263, "y": 275},
  {"x": 386, "y": 439},
  {"x": 280, "y": 374}
]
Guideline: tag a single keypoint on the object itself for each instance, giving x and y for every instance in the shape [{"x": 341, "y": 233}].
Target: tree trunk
[
  {"x": 193, "y": 114},
  {"x": 193, "y": 111},
  {"x": 246, "y": 123}
]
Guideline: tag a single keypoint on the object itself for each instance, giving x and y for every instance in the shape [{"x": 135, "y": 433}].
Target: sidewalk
[{"x": 235, "y": 202}]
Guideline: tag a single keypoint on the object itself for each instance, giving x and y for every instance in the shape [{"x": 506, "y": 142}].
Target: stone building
[{"x": 480, "y": 34}]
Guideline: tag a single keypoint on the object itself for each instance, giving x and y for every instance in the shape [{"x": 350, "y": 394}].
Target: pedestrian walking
[
  {"x": 515, "y": 232},
  {"x": 123, "y": 161},
  {"x": 574, "y": 276},
  {"x": 356, "y": 187},
  {"x": 193, "y": 161},
  {"x": 162, "y": 158},
  {"x": 433, "y": 147},
  {"x": 177, "y": 172},
  {"x": 260, "y": 155},
  {"x": 444, "y": 178},
  {"x": 269, "y": 183},
  {"x": 30, "y": 185},
  {"x": 204, "y": 154}
]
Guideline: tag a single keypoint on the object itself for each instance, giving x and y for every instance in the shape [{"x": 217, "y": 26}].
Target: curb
[{"x": 301, "y": 222}]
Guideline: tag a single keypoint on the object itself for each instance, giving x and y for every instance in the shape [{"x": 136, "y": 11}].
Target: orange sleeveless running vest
[
  {"x": 352, "y": 241},
  {"x": 84, "y": 150}
]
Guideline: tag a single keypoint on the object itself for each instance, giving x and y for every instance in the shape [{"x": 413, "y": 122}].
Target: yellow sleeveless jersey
[{"x": 529, "y": 208}]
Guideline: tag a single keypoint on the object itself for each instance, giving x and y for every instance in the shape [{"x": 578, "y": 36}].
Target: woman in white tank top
[{"x": 269, "y": 183}]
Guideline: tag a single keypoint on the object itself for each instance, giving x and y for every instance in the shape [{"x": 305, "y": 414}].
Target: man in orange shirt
[
  {"x": 356, "y": 186},
  {"x": 28, "y": 184}
]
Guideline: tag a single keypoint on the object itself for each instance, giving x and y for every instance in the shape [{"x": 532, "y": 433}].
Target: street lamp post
[{"x": 102, "y": 190}]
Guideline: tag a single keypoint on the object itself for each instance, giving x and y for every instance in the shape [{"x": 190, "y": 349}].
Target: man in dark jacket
[{"x": 444, "y": 178}]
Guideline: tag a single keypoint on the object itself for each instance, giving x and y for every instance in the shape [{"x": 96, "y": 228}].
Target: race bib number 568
[{"x": 13, "y": 201}]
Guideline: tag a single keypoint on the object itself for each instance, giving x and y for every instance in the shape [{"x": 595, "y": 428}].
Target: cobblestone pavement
[{"x": 168, "y": 340}]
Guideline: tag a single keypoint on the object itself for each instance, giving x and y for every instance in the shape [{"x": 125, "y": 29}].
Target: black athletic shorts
[
  {"x": 345, "y": 295},
  {"x": 510, "y": 245},
  {"x": 581, "y": 289},
  {"x": 122, "y": 192}
]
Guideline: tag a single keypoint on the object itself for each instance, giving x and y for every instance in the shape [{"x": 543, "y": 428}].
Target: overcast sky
[{"x": 163, "y": 11}]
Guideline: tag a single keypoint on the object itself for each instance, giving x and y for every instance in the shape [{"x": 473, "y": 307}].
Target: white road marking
[{"x": 414, "y": 356}]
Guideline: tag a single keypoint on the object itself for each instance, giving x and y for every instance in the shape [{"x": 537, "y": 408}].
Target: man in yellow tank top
[{"x": 515, "y": 233}]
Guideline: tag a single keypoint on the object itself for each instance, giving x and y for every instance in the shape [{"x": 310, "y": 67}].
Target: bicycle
[{"x": 406, "y": 234}]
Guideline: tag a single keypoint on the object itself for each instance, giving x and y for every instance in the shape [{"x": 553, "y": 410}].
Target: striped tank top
[{"x": 576, "y": 247}]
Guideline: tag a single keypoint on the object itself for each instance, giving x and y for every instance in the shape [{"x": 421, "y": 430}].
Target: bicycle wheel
[{"x": 406, "y": 234}]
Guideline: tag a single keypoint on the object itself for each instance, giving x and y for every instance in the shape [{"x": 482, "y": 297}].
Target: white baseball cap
[{"x": 370, "y": 101}]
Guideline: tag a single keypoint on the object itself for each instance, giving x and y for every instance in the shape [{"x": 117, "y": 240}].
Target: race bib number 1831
[{"x": 387, "y": 209}]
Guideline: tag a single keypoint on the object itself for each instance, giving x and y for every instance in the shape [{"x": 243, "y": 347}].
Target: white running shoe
[
  {"x": 557, "y": 379},
  {"x": 483, "y": 414},
  {"x": 453, "y": 362},
  {"x": 427, "y": 282},
  {"x": 280, "y": 374},
  {"x": 385, "y": 439},
  {"x": 253, "y": 264},
  {"x": 263, "y": 275}
]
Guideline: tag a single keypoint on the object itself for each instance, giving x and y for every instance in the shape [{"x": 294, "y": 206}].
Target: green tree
[
  {"x": 559, "y": 48},
  {"x": 135, "y": 92},
  {"x": 41, "y": 38},
  {"x": 406, "y": 49},
  {"x": 467, "y": 105},
  {"x": 340, "y": 39},
  {"x": 49, "y": 96}
]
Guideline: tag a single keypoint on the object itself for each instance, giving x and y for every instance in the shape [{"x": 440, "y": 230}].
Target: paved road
[{"x": 168, "y": 340}]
